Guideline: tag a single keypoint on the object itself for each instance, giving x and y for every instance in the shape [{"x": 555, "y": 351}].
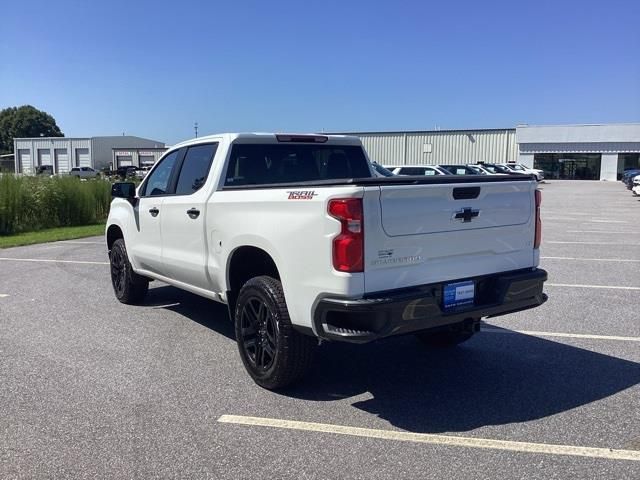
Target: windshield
[{"x": 381, "y": 170}]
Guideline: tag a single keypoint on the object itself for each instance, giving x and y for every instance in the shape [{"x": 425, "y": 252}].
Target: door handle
[
  {"x": 193, "y": 213},
  {"x": 154, "y": 212}
]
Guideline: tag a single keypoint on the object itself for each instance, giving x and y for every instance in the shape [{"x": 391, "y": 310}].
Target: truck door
[
  {"x": 184, "y": 238},
  {"x": 146, "y": 248}
]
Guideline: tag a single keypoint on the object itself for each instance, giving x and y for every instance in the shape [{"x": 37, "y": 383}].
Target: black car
[
  {"x": 44, "y": 170},
  {"x": 493, "y": 168},
  {"x": 627, "y": 177},
  {"x": 458, "y": 169}
]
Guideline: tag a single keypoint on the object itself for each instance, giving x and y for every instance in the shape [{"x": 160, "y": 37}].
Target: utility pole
[{"x": 195, "y": 127}]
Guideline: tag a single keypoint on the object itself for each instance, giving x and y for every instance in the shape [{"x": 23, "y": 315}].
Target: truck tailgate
[{"x": 440, "y": 232}]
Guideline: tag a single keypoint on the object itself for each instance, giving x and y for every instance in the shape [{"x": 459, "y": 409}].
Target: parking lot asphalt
[{"x": 91, "y": 388}]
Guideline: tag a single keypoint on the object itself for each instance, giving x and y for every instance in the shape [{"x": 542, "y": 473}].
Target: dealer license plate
[{"x": 459, "y": 294}]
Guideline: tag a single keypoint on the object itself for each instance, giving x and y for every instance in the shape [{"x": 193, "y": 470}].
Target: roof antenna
[{"x": 195, "y": 127}]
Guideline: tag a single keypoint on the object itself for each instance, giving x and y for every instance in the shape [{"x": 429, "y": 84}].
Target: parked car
[
  {"x": 635, "y": 185},
  {"x": 44, "y": 170},
  {"x": 496, "y": 168},
  {"x": 628, "y": 176},
  {"x": 126, "y": 171},
  {"x": 480, "y": 170},
  {"x": 458, "y": 169},
  {"x": 416, "y": 170},
  {"x": 303, "y": 242},
  {"x": 381, "y": 171},
  {"x": 519, "y": 168},
  {"x": 84, "y": 172}
]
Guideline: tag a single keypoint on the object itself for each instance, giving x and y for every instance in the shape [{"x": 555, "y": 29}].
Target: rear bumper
[{"x": 396, "y": 312}]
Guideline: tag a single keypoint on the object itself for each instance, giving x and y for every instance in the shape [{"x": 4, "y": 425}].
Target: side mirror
[{"x": 126, "y": 190}]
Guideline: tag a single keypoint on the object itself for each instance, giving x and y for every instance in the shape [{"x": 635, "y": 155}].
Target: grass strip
[{"x": 51, "y": 235}]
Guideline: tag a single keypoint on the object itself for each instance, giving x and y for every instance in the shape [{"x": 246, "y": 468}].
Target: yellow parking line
[{"x": 447, "y": 440}]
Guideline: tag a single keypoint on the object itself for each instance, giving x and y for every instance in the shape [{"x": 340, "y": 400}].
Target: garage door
[
  {"x": 44, "y": 156},
  {"x": 61, "y": 157},
  {"x": 124, "y": 160},
  {"x": 82, "y": 157},
  {"x": 24, "y": 160},
  {"x": 147, "y": 160}
]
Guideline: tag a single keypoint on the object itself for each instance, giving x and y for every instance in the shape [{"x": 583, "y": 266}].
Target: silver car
[{"x": 84, "y": 172}]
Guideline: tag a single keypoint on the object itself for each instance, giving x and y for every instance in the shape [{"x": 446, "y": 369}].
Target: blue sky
[{"x": 153, "y": 68}]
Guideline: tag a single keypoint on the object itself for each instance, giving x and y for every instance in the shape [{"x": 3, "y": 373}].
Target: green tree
[{"x": 25, "y": 121}]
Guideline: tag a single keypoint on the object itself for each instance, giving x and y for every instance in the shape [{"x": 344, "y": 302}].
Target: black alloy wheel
[
  {"x": 273, "y": 352},
  {"x": 128, "y": 286},
  {"x": 259, "y": 332}
]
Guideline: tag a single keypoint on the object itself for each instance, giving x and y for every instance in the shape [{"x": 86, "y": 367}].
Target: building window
[
  {"x": 629, "y": 160},
  {"x": 569, "y": 166}
]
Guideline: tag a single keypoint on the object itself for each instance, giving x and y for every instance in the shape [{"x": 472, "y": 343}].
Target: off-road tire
[
  {"x": 128, "y": 286},
  {"x": 273, "y": 352}
]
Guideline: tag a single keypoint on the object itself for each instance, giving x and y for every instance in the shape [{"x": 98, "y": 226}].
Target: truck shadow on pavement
[
  {"x": 493, "y": 379},
  {"x": 207, "y": 313}
]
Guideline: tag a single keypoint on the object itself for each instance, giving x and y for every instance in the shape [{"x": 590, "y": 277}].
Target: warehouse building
[
  {"x": 137, "y": 157},
  {"x": 64, "y": 153},
  {"x": 580, "y": 152},
  {"x": 585, "y": 152},
  {"x": 440, "y": 146}
]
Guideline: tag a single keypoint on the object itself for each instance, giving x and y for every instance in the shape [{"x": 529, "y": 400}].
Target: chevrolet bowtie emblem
[{"x": 466, "y": 214}]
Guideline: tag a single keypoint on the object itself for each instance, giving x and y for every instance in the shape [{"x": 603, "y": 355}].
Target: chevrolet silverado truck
[{"x": 305, "y": 243}]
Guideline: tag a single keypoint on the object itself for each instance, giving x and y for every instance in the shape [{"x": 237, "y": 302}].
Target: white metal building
[
  {"x": 591, "y": 152},
  {"x": 137, "y": 157},
  {"x": 440, "y": 146},
  {"x": 64, "y": 153},
  {"x": 588, "y": 152}
]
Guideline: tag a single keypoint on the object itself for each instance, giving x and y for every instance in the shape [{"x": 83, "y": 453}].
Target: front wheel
[
  {"x": 272, "y": 351},
  {"x": 129, "y": 287}
]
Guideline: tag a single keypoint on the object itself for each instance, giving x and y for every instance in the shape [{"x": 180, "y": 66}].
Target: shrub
[{"x": 33, "y": 203}]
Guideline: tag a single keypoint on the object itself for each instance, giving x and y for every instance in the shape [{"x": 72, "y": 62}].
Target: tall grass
[{"x": 32, "y": 203}]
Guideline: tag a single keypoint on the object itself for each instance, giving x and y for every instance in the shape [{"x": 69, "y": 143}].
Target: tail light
[
  {"x": 538, "y": 238},
  {"x": 348, "y": 246}
]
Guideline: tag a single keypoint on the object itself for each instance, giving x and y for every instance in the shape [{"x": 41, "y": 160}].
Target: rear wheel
[
  {"x": 129, "y": 287},
  {"x": 273, "y": 352},
  {"x": 456, "y": 335}
]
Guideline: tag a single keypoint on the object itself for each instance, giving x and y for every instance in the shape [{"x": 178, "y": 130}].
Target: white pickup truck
[{"x": 304, "y": 243}]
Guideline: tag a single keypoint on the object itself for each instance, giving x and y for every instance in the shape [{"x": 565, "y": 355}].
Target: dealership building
[
  {"x": 573, "y": 152},
  {"x": 65, "y": 153}
]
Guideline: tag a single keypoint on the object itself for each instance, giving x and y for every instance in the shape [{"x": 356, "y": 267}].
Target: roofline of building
[
  {"x": 525, "y": 125},
  {"x": 88, "y": 138},
  {"x": 397, "y": 132}
]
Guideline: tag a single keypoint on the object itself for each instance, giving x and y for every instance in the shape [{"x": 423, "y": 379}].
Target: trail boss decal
[{"x": 302, "y": 195}]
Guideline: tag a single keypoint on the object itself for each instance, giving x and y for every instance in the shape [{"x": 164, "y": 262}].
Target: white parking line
[
  {"x": 51, "y": 261},
  {"x": 3, "y": 295},
  {"x": 613, "y": 287},
  {"x": 611, "y": 232},
  {"x": 448, "y": 440},
  {"x": 592, "y": 259},
  {"x": 593, "y": 220},
  {"x": 593, "y": 243},
  {"x": 535, "y": 333}
]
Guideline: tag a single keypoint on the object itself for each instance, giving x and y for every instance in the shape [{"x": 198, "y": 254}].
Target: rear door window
[{"x": 195, "y": 168}]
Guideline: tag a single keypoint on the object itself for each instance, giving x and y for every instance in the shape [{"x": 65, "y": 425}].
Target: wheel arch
[
  {"x": 114, "y": 232},
  {"x": 246, "y": 262}
]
